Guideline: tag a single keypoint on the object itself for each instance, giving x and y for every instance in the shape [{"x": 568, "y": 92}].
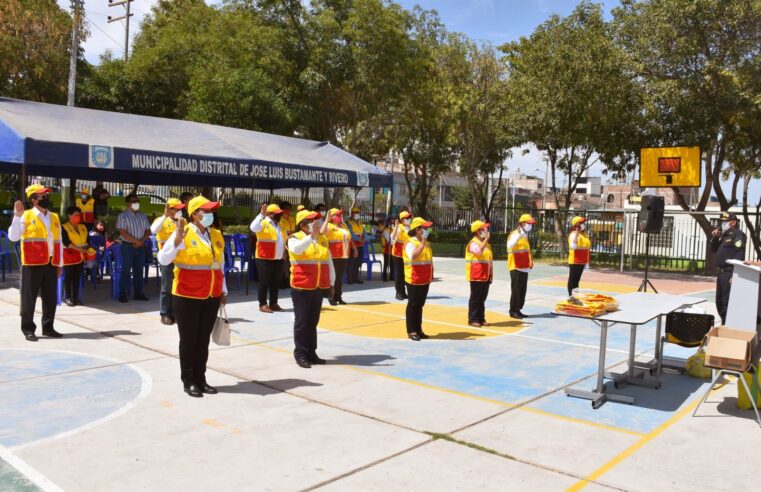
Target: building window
[{"x": 611, "y": 198}]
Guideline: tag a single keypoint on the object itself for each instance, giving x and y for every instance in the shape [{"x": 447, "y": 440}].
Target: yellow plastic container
[{"x": 743, "y": 401}]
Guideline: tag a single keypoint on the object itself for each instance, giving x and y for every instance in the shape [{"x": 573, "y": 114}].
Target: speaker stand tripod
[{"x": 646, "y": 281}]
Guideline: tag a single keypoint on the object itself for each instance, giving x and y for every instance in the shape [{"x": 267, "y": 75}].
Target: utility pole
[
  {"x": 126, "y": 16},
  {"x": 76, "y": 8}
]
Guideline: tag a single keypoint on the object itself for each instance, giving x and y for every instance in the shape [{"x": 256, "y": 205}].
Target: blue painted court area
[
  {"x": 12, "y": 479},
  {"x": 46, "y": 393}
]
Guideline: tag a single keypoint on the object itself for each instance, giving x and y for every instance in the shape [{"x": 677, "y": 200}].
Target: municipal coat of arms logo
[{"x": 101, "y": 157}]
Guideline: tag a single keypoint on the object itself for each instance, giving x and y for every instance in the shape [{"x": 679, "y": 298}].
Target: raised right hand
[
  {"x": 18, "y": 208},
  {"x": 180, "y": 232},
  {"x": 715, "y": 232},
  {"x": 263, "y": 210}
]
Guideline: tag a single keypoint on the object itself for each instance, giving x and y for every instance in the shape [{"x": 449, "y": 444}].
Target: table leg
[
  {"x": 632, "y": 348},
  {"x": 601, "y": 362}
]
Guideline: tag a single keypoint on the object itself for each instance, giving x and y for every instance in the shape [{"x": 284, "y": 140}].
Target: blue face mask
[{"x": 207, "y": 220}]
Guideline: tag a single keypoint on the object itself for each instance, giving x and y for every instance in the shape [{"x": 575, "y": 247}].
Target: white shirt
[
  {"x": 387, "y": 235},
  {"x": 512, "y": 239},
  {"x": 256, "y": 226},
  {"x": 298, "y": 246},
  {"x": 572, "y": 239},
  {"x": 17, "y": 228},
  {"x": 158, "y": 224},
  {"x": 168, "y": 253}
]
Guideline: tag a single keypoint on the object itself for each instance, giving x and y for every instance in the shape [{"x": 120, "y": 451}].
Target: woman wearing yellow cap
[
  {"x": 341, "y": 248},
  {"x": 399, "y": 237},
  {"x": 312, "y": 273},
  {"x": 418, "y": 275},
  {"x": 199, "y": 287},
  {"x": 519, "y": 263},
  {"x": 162, "y": 228},
  {"x": 579, "y": 247},
  {"x": 479, "y": 272}
]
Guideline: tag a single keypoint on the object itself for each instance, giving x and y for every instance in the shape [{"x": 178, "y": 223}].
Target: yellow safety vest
[
  {"x": 580, "y": 255},
  {"x": 78, "y": 237},
  {"x": 266, "y": 241},
  {"x": 87, "y": 208},
  {"x": 34, "y": 240},
  {"x": 338, "y": 240},
  {"x": 385, "y": 242},
  {"x": 167, "y": 228},
  {"x": 401, "y": 238},
  {"x": 287, "y": 225},
  {"x": 478, "y": 268},
  {"x": 198, "y": 269},
  {"x": 420, "y": 270},
  {"x": 357, "y": 229},
  {"x": 520, "y": 255},
  {"x": 311, "y": 269}
]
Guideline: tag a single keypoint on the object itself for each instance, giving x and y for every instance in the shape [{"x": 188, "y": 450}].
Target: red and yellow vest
[
  {"x": 198, "y": 269},
  {"x": 338, "y": 240},
  {"x": 420, "y": 270},
  {"x": 401, "y": 239},
  {"x": 520, "y": 255},
  {"x": 266, "y": 241},
  {"x": 357, "y": 229},
  {"x": 311, "y": 269},
  {"x": 78, "y": 237},
  {"x": 287, "y": 225},
  {"x": 167, "y": 229},
  {"x": 385, "y": 244},
  {"x": 87, "y": 208},
  {"x": 478, "y": 268},
  {"x": 580, "y": 255},
  {"x": 34, "y": 240}
]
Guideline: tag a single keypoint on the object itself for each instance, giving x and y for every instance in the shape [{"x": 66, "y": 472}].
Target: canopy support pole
[
  {"x": 22, "y": 183},
  {"x": 372, "y": 190}
]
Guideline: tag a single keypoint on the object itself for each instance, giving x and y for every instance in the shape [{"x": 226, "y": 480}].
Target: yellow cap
[
  {"x": 355, "y": 210},
  {"x": 404, "y": 215},
  {"x": 419, "y": 222},
  {"x": 273, "y": 209},
  {"x": 577, "y": 220},
  {"x": 306, "y": 215},
  {"x": 336, "y": 211},
  {"x": 300, "y": 208},
  {"x": 84, "y": 191},
  {"x": 36, "y": 189},
  {"x": 175, "y": 203},
  {"x": 201, "y": 202},
  {"x": 527, "y": 218},
  {"x": 479, "y": 224}
]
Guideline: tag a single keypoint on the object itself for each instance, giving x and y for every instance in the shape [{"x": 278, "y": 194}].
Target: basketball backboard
[{"x": 669, "y": 166}]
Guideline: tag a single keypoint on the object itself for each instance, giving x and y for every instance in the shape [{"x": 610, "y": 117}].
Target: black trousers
[
  {"x": 722, "y": 294},
  {"x": 398, "y": 266},
  {"x": 574, "y": 277},
  {"x": 479, "y": 291},
  {"x": 306, "y": 308},
  {"x": 195, "y": 321},
  {"x": 417, "y": 297},
  {"x": 270, "y": 272},
  {"x": 43, "y": 281},
  {"x": 518, "y": 285},
  {"x": 354, "y": 266},
  {"x": 72, "y": 274},
  {"x": 339, "y": 265},
  {"x": 386, "y": 267}
]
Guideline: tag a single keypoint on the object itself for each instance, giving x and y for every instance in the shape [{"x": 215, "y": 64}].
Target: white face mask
[
  {"x": 178, "y": 215},
  {"x": 426, "y": 232},
  {"x": 482, "y": 234},
  {"x": 724, "y": 226},
  {"x": 406, "y": 222},
  {"x": 527, "y": 227},
  {"x": 314, "y": 226},
  {"x": 354, "y": 217},
  {"x": 83, "y": 197},
  {"x": 582, "y": 227},
  {"x": 207, "y": 220},
  {"x": 135, "y": 206}
]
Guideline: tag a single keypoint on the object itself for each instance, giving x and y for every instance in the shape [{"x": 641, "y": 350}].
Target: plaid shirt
[{"x": 135, "y": 223}]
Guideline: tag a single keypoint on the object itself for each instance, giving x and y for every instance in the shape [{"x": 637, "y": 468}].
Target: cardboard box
[{"x": 730, "y": 349}]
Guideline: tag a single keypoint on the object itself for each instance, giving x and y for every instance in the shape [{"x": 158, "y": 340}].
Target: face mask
[
  {"x": 84, "y": 197},
  {"x": 482, "y": 234},
  {"x": 207, "y": 220},
  {"x": 426, "y": 232},
  {"x": 406, "y": 222},
  {"x": 337, "y": 220},
  {"x": 527, "y": 227},
  {"x": 75, "y": 219},
  {"x": 724, "y": 226},
  {"x": 44, "y": 203},
  {"x": 582, "y": 227},
  {"x": 135, "y": 206},
  {"x": 178, "y": 215},
  {"x": 354, "y": 217}
]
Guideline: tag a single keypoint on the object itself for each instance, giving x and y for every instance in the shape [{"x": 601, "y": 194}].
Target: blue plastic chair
[
  {"x": 97, "y": 242},
  {"x": 230, "y": 267},
  {"x": 114, "y": 259},
  {"x": 369, "y": 251},
  {"x": 242, "y": 247},
  {"x": 151, "y": 250}
]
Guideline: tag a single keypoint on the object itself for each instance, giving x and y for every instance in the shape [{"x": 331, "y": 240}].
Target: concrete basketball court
[{"x": 469, "y": 409}]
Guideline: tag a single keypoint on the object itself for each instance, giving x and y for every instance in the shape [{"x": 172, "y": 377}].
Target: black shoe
[
  {"x": 303, "y": 363},
  {"x": 167, "y": 320},
  {"x": 341, "y": 301},
  {"x": 31, "y": 337},
  {"x": 350, "y": 283},
  {"x": 78, "y": 302},
  {"x": 405, "y": 296},
  {"x": 276, "y": 308},
  {"x": 413, "y": 336},
  {"x": 317, "y": 361},
  {"x": 399, "y": 297},
  {"x": 140, "y": 297},
  {"x": 194, "y": 390},
  {"x": 516, "y": 315},
  {"x": 51, "y": 333},
  {"x": 333, "y": 303},
  {"x": 423, "y": 335},
  {"x": 69, "y": 302},
  {"x": 522, "y": 315},
  {"x": 123, "y": 299},
  {"x": 208, "y": 389}
]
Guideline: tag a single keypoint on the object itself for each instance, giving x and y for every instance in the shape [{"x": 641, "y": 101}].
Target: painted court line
[{"x": 25, "y": 469}]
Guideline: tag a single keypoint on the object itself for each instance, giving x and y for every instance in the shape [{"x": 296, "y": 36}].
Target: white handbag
[{"x": 220, "y": 335}]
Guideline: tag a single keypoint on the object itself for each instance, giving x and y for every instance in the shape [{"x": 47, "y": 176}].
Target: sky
[{"x": 492, "y": 21}]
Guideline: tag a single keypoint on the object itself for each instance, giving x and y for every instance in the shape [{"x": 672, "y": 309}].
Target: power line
[{"x": 104, "y": 32}]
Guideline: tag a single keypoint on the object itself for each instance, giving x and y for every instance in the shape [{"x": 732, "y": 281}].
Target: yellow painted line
[
  {"x": 581, "y": 421},
  {"x": 213, "y": 423},
  {"x": 605, "y": 287}
]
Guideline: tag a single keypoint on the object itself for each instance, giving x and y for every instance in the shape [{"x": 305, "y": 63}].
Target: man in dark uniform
[{"x": 728, "y": 244}]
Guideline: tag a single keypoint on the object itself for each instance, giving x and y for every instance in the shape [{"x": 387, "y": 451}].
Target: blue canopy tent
[{"x": 68, "y": 142}]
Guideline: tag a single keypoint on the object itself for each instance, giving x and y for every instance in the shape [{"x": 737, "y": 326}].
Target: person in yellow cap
[
  {"x": 270, "y": 249},
  {"x": 357, "y": 230},
  {"x": 86, "y": 204},
  {"x": 39, "y": 230},
  {"x": 162, "y": 228},
  {"x": 385, "y": 239},
  {"x": 399, "y": 237},
  {"x": 579, "y": 248},
  {"x": 300, "y": 208},
  {"x": 519, "y": 263},
  {"x": 341, "y": 248},
  {"x": 77, "y": 254},
  {"x": 418, "y": 275},
  {"x": 479, "y": 272},
  {"x": 287, "y": 227},
  {"x": 198, "y": 253},
  {"x": 311, "y": 273}
]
